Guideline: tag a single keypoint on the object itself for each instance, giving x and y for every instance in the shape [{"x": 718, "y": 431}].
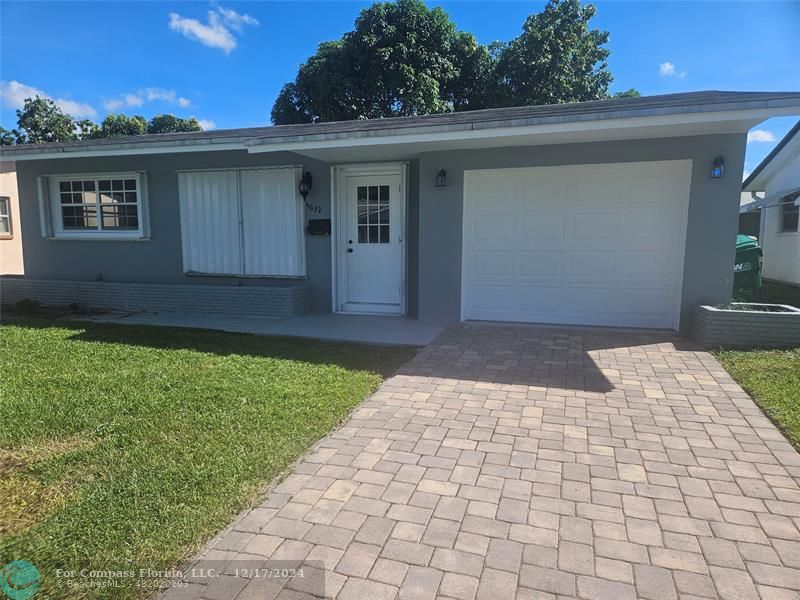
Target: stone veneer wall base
[{"x": 257, "y": 301}]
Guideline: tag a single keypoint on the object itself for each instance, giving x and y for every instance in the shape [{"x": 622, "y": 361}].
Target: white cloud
[
  {"x": 13, "y": 95},
  {"x": 760, "y": 135},
  {"x": 215, "y": 33},
  {"x": 135, "y": 99},
  {"x": 667, "y": 69},
  {"x": 236, "y": 20},
  {"x": 207, "y": 124}
]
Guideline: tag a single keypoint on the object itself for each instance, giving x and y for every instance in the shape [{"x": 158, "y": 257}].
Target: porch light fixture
[
  {"x": 718, "y": 168},
  {"x": 441, "y": 178},
  {"x": 305, "y": 184}
]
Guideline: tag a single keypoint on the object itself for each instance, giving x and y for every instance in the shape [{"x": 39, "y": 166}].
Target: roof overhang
[
  {"x": 786, "y": 150},
  {"x": 398, "y": 138}
]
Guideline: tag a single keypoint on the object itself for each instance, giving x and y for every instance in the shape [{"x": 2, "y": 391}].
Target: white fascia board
[
  {"x": 460, "y": 133},
  {"x": 786, "y": 154},
  {"x": 126, "y": 151}
]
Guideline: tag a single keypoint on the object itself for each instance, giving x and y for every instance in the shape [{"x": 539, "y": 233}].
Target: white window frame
[
  {"x": 790, "y": 200},
  {"x": 51, "y": 217},
  {"x": 7, "y": 216}
]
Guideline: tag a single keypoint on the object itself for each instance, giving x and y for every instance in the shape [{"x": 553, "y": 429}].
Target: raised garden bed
[{"x": 747, "y": 325}]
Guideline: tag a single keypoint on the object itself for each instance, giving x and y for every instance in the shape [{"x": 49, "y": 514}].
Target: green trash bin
[{"x": 747, "y": 269}]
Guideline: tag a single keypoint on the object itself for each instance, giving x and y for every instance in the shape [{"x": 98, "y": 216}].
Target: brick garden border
[{"x": 715, "y": 327}]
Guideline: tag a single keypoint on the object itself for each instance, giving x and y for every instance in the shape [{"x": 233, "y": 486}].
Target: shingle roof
[{"x": 684, "y": 103}]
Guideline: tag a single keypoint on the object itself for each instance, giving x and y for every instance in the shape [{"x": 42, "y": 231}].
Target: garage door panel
[
  {"x": 593, "y": 229},
  {"x": 589, "y": 244},
  {"x": 590, "y": 266},
  {"x": 540, "y": 230},
  {"x": 538, "y": 265},
  {"x": 495, "y": 298},
  {"x": 493, "y": 264},
  {"x": 648, "y": 268}
]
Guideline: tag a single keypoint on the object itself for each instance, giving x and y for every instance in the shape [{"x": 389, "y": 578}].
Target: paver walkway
[{"x": 522, "y": 462}]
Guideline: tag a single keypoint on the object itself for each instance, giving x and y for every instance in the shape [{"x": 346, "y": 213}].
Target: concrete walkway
[
  {"x": 370, "y": 329},
  {"x": 532, "y": 463}
]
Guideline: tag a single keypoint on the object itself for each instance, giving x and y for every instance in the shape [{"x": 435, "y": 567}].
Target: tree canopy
[
  {"x": 40, "y": 121},
  {"x": 403, "y": 58}
]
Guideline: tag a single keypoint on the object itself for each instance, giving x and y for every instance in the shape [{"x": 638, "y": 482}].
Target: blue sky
[{"x": 225, "y": 62}]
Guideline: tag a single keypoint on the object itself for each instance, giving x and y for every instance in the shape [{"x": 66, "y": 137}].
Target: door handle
[{"x": 350, "y": 250}]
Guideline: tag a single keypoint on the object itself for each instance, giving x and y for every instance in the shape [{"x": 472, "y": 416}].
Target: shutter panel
[
  {"x": 210, "y": 230},
  {"x": 272, "y": 222}
]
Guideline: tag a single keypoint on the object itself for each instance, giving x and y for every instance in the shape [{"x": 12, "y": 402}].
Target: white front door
[{"x": 371, "y": 244}]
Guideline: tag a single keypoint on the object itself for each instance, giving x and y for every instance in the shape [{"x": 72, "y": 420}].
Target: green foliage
[
  {"x": 630, "y": 93},
  {"x": 171, "y": 124},
  {"x": 557, "y": 58},
  {"x": 41, "y": 121},
  {"x": 403, "y": 58},
  {"x": 8, "y": 138},
  {"x": 127, "y": 448},
  {"x": 115, "y": 125}
]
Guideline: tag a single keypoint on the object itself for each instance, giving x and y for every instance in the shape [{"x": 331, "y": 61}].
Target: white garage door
[{"x": 580, "y": 244}]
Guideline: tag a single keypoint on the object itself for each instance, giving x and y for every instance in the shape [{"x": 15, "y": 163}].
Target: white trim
[
  {"x": 45, "y": 218},
  {"x": 683, "y": 228},
  {"x": 445, "y": 132},
  {"x": 256, "y": 168},
  {"x": 485, "y": 130},
  {"x": 50, "y": 208},
  {"x": 141, "y": 149},
  {"x": 339, "y": 174}
]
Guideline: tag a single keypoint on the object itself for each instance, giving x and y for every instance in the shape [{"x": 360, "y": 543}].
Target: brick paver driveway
[{"x": 523, "y": 462}]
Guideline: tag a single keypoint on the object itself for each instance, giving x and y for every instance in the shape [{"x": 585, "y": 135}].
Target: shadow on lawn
[{"x": 383, "y": 360}]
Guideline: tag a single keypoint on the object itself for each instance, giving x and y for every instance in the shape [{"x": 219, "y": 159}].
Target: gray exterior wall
[
  {"x": 434, "y": 219},
  {"x": 711, "y": 230},
  {"x": 160, "y": 260}
]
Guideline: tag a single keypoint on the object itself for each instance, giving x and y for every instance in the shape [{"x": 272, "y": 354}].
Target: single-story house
[
  {"x": 617, "y": 212},
  {"x": 777, "y": 180},
  {"x": 10, "y": 231}
]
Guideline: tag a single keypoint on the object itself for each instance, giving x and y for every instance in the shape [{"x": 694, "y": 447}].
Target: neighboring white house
[{"x": 778, "y": 177}]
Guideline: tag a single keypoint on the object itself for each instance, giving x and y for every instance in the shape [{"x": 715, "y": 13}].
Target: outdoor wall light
[
  {"x": 441, "y": 178},
  {"x": 718, "y": 168},
  {"x": 305, "y": 184}
]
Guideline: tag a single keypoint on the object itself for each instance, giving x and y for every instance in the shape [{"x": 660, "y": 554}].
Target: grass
[
  {"x": 772, "y": 378},
  {"x": 127, "y": 447}
]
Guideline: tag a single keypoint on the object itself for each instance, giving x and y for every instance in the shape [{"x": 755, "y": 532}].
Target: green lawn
[
  {"x": 127, "y": 447},
  {"x": 772, "y": 378}
]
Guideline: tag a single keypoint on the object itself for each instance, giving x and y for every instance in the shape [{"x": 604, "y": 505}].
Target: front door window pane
[{"x": 372, "y": 207}]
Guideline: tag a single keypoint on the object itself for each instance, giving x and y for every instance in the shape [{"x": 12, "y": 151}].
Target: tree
[
  {"x": 172, "y": 124},
  {"x": 116, "y": 125},
  {"x": 401, "y": 59},
  {"x": 40, "y": 121},
  {"x": 8, "y": 138},
  {"x": 557, "y": 58},
  {"x": 405, "y": 59},
  {"x": 630, "y": 93}
]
